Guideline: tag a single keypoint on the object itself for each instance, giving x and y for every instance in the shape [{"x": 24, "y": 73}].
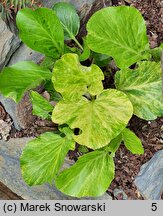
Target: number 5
[{"x": 154, "y": 207}]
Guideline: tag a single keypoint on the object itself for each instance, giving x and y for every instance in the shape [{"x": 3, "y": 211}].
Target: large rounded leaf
[
  {"x": 17, "y": 79},
  {"x": 41, "y": 30},
  {"x": 90, "y": 176},
  {"x": 119, "y": 32},
  {"x": 72, "y": 79},
  {"x": 42, "y": 158},
  {"x": 143, "y": 86},
  {"x": 69, "y": 18},
  {"x": 99, "y": 120}
]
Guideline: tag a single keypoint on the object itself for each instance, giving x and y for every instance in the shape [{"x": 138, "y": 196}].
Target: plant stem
[{"x": 77, "y": 42}]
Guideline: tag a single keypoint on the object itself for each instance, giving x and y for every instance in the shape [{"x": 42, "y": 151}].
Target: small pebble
[{"x": 153, "y": 124}]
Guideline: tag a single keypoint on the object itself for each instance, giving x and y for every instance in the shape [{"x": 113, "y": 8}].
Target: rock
[
  {"x": 120, "y": 194},
  {"x": 11, "y": 108},
  {"x": 10, "y": 174},
  {"x": 150, "y": 178},
  {"x": 104, "y": 197},
  {"x": 24, "y": 53},
  {"x": 20, "y": 113},
  {"x": 8, "y": 44},
  {"x": 153, "y": 124}
]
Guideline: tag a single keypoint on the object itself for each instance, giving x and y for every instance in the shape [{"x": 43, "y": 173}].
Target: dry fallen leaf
[{"x": 46, "y": 95}]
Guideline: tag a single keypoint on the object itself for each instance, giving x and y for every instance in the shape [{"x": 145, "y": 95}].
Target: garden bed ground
[
  {"x": 151, "y": 132},
  {"x": 128, "y": 165}
]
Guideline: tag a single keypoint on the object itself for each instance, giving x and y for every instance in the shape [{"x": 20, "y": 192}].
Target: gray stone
[
  {"x": 117, "y": 192},
  {"x": 10, "y": 174},
  {"x": 104, "y": 197},
  {"x": 150, "y": 178},
  {"x": 8, "y": 44},
  {"x": 20, "y": 113},
  {"x": 11, "y": 108},
  {"x": 24, "y": 53}
]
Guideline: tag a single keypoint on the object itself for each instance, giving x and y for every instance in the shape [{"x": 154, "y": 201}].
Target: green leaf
[
  {"x": 43, "y": 157},
  {"x": 90, "y": 176},
  {"x": 64, "y": 129},
  {"x": 115, "y": 143},
  {"x": 68, "y": 49},
  {"x": 132, "y": 142},
  {"x": 48, "y": 62},
  {"x": 54, "y": 95},
  {"x": 99, "y": 120},
  {"x": 156, "y": 53},
  {"x": 119, "y": 32},
  {"x": 69, "y": 18},
  {"x": 41, "y": 30},
  {"x": 101, "y": 59},
  {"x": 41, "y": 107},
  {"x": 83, "y": 149},
  {"x": 72, "y": 80},
  {"x": 143, "y": 86},
  {"x": 86, "y": 51},
  {"x": 17, "y": 79}
]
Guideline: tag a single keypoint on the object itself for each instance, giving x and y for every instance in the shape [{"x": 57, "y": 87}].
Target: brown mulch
[
  {"x": 128, "y": 165},
  {"x": 152, "y": 11},
  {"x": 38, "y": 127}
]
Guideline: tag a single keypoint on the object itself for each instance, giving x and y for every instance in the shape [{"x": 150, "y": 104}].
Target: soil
[
  {"x": 128, "y": 165},
  {"x": 152, "y": 11},
  {"x": 150, "y": 132}
]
